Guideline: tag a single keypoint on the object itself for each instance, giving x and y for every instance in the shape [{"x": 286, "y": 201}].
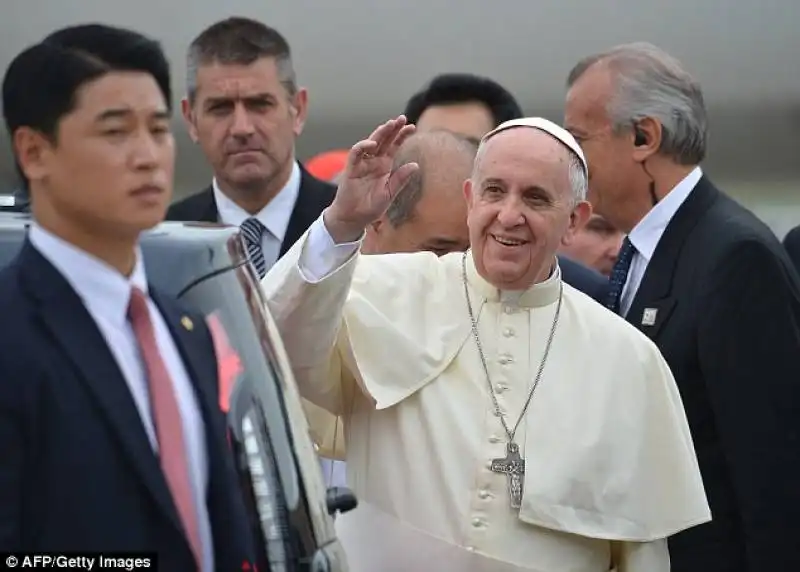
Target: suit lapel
[
  {"x": 200, "y": 207},
  {"x": 311, "y": 201},
  {"x": 62, "y": 312},
  {"x": 207, "y": 207},
  {"x": 185, "y": 333},
  {"x": 653, "y": 304}
]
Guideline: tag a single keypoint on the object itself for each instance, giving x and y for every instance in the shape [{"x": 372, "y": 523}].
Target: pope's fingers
[
  {"x": 376, "y": 133},
  {"x": 404, "y": 133},
  {"x": 387, "y": 133},
  {"x": 379, "y": 133},
  {"x": 399, "y": 178},
  {"x": 360, "y": 149}
]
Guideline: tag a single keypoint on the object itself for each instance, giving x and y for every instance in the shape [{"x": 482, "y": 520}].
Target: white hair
[
  {"x": 577, "y": 178},
  {"x": 648, "y": 82}
]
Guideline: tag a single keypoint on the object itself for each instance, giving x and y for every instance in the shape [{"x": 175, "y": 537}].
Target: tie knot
[
  {"x": 619, "y": 275},
  {"x": 253, "y": 229},
  {"x": 137, "y": 306},
  {"x": 626, "y": 250}
]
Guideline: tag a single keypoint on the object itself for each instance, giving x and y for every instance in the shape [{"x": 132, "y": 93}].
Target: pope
[{"x": 496, "y": 419}]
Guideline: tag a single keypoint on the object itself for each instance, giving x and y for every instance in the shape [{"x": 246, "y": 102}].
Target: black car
[{"x": 206, "y": 267}]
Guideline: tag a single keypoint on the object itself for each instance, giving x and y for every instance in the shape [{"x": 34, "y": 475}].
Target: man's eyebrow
[{"x": 126, "y": 112}]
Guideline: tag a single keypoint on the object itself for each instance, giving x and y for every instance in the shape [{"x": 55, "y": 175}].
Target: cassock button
[
  {"x": 484, "y": 494},
  {"x": 500, "y": 387},
  {"x": 506, "y": 359},
  {"x": 508, "y": 309},
  {"x": 494, "y": 439},
  {"x": 508, "y": 332},
  {"x": 477, "y": 522}
]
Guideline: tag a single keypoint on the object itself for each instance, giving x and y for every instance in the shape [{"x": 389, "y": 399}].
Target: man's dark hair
[
  {"x": 239, "y": 41},
  {"x": 41, "y": 84},
  {"x": 454, "y": 88},
  {"x": 417, "y": 150}
]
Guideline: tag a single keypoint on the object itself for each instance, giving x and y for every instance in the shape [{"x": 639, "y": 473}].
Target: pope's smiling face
[{"x": 521, "y": 207}]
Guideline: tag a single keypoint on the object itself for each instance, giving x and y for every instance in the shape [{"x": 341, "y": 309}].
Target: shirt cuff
[{"x": 321, "y": 256}]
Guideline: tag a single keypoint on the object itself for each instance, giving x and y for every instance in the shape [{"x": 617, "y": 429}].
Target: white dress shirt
[
  {"x": 645, "y": 236},
  {"x": 275, "y": 216},
  {"x": 106, "y": 294}
]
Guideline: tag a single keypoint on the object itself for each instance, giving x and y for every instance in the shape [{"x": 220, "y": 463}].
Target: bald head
[
  {"x": 429, "y": 213},
  {"x": 443, "y": 158}
]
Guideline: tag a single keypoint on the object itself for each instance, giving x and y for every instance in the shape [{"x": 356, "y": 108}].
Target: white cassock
[{"x": 385, "y": 342}]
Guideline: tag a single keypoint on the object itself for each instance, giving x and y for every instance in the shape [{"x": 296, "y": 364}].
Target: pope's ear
[
  {"x": 468, "y": 191},
  {"x": 578, "y": 218}
]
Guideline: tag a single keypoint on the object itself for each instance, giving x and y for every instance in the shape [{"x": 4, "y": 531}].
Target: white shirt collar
[
  {"x": 648, "y": 232},
  {"x": 275, "y": 216},
  {"x": 103, "y": 289}
]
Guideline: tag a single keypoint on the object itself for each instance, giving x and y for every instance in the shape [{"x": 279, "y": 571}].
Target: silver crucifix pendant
[{"x": 513, "y": 466}]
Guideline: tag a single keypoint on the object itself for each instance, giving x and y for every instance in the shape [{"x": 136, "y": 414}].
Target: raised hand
[{"x": 368, "y": 186}]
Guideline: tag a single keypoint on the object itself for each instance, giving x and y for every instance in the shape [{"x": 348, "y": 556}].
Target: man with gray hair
[
  {"x": 712, "y": 287},
  {"x": 430, "y": 212},
  {"x": 496, "y": 418},
  {"x": 245, "y": 109}
]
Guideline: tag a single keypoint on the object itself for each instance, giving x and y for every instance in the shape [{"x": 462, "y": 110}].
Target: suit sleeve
[
  {"x": 749, "y": 348},
  {"x": 306, "y": 291},
  {"x": 12, "y": 459}
]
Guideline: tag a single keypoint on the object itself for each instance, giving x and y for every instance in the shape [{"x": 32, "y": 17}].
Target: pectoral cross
[{"x": 513, "y": 465}]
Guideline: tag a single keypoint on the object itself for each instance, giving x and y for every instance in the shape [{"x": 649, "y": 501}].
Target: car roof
[{"x": 184, "y": 251}]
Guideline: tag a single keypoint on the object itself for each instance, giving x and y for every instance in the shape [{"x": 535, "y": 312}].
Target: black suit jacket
[
  {"x": 583, "y": 278},
  {"x": 727, "y": 321},
  {"x": 792, "y": 244},
  {"x": 77, "y": 470},
  {"x": 313, "y": 198}
]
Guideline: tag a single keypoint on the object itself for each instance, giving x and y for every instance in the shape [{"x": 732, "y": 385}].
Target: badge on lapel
[
  {"x": 649, "y": 316},
  {"x": 187, "y": 323}
]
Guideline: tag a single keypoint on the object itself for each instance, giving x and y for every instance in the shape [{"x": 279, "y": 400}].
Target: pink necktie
[{"x": 167, "y": 420}]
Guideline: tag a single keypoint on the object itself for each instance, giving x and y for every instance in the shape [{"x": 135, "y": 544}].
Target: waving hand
[{"x": 368, "y": 185}]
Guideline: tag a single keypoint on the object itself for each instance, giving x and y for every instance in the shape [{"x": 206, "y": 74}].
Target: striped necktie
[
  {"x": 253, "y": 232},
  {"x": 619, "y": 275}
]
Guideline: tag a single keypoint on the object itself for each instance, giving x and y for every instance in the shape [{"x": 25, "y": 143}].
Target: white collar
[
  {"x": 647, "y": 233},
  {"x": 103, "y": 289},
  {"x": 540, "y": 294},
  {"x": 275, "y": 216}
]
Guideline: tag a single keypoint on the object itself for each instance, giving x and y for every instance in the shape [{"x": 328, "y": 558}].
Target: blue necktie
[
  {"x": 619, "y": 275},
  {"x": 253, "y": 231}
]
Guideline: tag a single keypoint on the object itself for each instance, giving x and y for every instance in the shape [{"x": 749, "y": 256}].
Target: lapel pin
[
  {"x": 187, "y": 323},
  {"x": 649, "y": 316}
]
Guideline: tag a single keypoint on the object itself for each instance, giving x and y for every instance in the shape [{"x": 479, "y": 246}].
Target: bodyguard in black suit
[
  {"x": 245, "y": 109},
  {"x": 712, "y": 287},
  {"x": 111, "y": 436}
]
